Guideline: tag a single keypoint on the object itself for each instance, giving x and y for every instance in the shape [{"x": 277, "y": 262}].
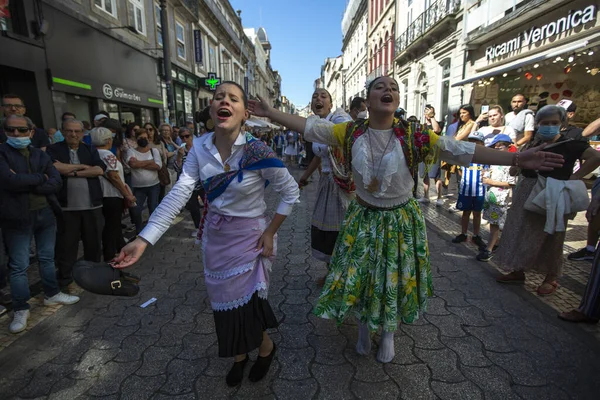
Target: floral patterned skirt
[{"x": 380, "y": 269}]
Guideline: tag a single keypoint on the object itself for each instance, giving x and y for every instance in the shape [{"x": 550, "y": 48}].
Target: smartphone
[{"x": 485, "y": 108}]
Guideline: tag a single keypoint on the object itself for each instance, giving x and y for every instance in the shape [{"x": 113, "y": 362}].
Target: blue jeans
[
  {"x": 41, "y": 226},
  {"x": 142, "y": 194}
]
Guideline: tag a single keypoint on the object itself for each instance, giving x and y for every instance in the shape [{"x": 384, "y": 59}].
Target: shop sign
[
  {"x": 534, "y": 35},
  {"x": 191, "y": 81},
  {"x": 119, "y": 93},
  {"x": 198, "y": 46},
  {"x": 212, "y": 81}
]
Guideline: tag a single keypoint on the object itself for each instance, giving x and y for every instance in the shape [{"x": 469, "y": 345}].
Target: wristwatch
[{"x": 74, "y": 173}]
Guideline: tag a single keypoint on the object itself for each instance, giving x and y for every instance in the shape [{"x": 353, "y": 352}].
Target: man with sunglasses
[
  {"x": 13, "y": 105},
  {"x": 28, "y": 186}
]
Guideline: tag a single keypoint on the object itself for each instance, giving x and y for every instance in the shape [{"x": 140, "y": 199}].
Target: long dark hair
[
  {"x": 468, "y": 108},
  {"x": 129, "y": 133},
  {"x": 156, "y": 139}
]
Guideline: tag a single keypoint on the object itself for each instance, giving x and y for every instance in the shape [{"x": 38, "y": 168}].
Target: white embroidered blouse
[
  {"x": 240, "y": 199},
  {"x": 378, "y": 154}
]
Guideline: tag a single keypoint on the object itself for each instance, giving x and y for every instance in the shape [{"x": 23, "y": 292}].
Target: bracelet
[{"x": 515, "y": 160}]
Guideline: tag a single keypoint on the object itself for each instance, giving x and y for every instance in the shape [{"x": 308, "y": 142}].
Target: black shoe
[
  {"x": 582, "y": 255},
  {"x": 261, "y": 367},
  {"x": 484, "y": 255},
  {"x": 460, "y": 238},
  {"x": 479, "y": 242},
  {"x": 495, "y": 248},
  {"x": 236, "y": 373}
]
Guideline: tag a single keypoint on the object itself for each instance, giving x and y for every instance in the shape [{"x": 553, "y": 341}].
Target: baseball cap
[
  {"x": 476, "y": 136},
  {"x": 99, "y": 117},
  {"x": 501, "y": 137}
]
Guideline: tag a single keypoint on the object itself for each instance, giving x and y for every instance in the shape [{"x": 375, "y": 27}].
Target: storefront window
[
  {"x": 179, "y": 106},
  {"x": 189, "y": 107},
  {"x": 112, "y": 109}
]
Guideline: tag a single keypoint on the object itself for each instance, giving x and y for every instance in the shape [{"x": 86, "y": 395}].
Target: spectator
[
  {"x": 358, "y": 108},
  {"x": 114, "y": 190},
  {"x": 528, "y": 247},
  {"x": 434, "y": 171},
  {"x": 571, "y": 131},
  {"x": 14, "y": 105},
  {"x": 495, "y": 119},
  {"x": 171, "y": 147},
  {"x": 176, "y": 137},
  {"x": 471, "y": 197},
  {"x": 58, "y": 136},
  {"x": 157, "y": 143},
  {"x": 145, "y": 162},
  {"x": 80, "y": 199},
  {"x": 116, "y": 129},
  {"x": 520, "y": 119},
  {"x": 193, "y": 204},
  {"x": 498, "y": 183},
  {"x": 51, "y": 132},
  {"x": 100, "y": 118},
  {"x": 28, "y": 184},
  {"x": 191, "y": 128},
  {"x": 588, "y": 253}
]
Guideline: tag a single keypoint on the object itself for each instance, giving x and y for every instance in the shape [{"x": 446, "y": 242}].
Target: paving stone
[
  {"x": 205, "y": 323},
  {"x": 185, "y": 314},
  {"x": 295, "y": 313},
  {"x": 189, "y": 396},
  {"x": 10, "y": 387},
  {"x": 294, "y": 269},
  {"x": 520, "y": 368},
  {"x": 134, "y": 346},
  {"x": 491, "y": 337},
  {"x": 114, "y": 336},
  {"x": 172, "y": 335},
  {"x": 323, "y": 327},
  {"x": 295, "y": 296},
  {"x": 443, "y": 364},
  {"x": 91, "y": 363},
  {"x": 196, "y": 346},
  {"x": 181, "y": 375},
  {"x": 261, "y": 389},
  {"x": 436, "y": 306},
  {"x": 550, "y": 392},
  {"x": 470, "y": 316},
  {"x": 98, "y": 325},
  {"x": 490, "y": 307},
  {"x": 469, "y": 350},
  {"x": 329, "y": 349},
  {"x": 453, "y": 298},
  {"x": 367, "y": 369},
  {"x": 155, "y": 360},
  {"x": 456, "y": 391},
  {"x": 404, "y": 346},
  {"x": 212, "y": 387},
  {"x": 425, "y": 337},
  {"x": 413, "y": 380},
  {"x": 295, "y": 363},
  {"x": 113, "y": 374},
  {"x": 296, "y": 282},
  {"x": 295, "y": 336},
  {"x": 449, "y": 325},
  {"x": 43, "y": 379},
  {"x": 68, "y": 389},
  {"x": 494, "y": 382},
  {"x": 292, "y": 390},
  {"x": 151, "y": 324},
  {"x": 140, "y": 388},
  {"x": 331, "y": 388},
  {"x": 375, "y": 390}
]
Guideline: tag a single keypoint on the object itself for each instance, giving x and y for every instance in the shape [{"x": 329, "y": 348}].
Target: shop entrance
[
  {"x": 126, "y": 113},
  {"x": 23, "y": 84}
]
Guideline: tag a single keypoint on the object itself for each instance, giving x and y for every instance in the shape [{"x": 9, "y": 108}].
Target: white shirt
[
  {"x": 529, "y": 121},
  {"x": 321, "y": 150},
  {"x": 141, "y": 177},
  {"x": 240, "y": 199},
  {"x": 490, "y": 132},
  {"x": 377, "y": 154},
  {"x": 112, "y": 164}
]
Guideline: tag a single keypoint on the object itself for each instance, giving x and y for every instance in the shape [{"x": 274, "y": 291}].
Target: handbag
[
  {"x": 102, "y": 278},
  {"x": 530, "y": 204},
  {"x": 163, "y": 174}
]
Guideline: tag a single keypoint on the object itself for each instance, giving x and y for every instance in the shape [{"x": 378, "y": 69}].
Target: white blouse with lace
[{"x": 378, "y": 154}]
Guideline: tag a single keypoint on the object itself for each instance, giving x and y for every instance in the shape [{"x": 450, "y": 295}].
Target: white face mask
[{"x": 362, "y": 115}]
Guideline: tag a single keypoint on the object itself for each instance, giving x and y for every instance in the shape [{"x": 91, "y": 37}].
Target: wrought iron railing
[
  {"x": 380, "y": 71},
  {"x": 427, "y": 20}
]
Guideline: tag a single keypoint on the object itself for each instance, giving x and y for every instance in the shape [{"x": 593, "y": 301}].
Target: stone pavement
[{"x": 478, "y": 339}]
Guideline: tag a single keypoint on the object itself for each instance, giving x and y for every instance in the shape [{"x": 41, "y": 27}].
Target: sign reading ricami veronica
[{"x": 534, "y": 34}]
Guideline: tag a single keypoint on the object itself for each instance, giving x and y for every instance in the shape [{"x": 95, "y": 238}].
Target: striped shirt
[{"x": 471, "y": 183}]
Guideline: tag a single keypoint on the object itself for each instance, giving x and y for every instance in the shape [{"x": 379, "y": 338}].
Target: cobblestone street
[{"x": 478, "y": 340}]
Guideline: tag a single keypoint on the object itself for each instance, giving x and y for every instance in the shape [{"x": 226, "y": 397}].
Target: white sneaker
[
  {"x": 2, "y": 310},
  {"x": 439, "y": 202},
  {"x": 423, "y": 200},
  {"x": 19, "y": 322},
  {"x": 60, "y": 298},
  {"x": 453, "y": 209},
  {"x": 195, "y": 233}
]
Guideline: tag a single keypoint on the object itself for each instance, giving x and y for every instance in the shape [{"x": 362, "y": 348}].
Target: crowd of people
[{"x": 367, "y": 224}]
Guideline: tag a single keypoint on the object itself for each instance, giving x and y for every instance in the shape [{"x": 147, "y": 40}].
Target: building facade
[
  {"x": 429, "y": 54},
  {"x": 381, "y": 33},
  {"x": 546, "y": 50},
  {"x": 354, "y": 50},
  {"x": 332, "y": 78}
]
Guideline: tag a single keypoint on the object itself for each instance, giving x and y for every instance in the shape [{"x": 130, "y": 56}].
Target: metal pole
[{"x": 164, "y": 21}]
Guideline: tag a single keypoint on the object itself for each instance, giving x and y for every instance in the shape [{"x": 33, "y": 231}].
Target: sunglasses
[
  {"x": 20, "y": 129},
  {"x": 185, "y": 136}
]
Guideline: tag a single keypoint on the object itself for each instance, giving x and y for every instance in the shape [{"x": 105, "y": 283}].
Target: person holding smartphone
[
  {"x": 495, "y": 119},
  {"x": 434, "y": 171}
]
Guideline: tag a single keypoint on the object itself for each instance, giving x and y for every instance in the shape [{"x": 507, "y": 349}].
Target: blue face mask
[
  {"x": 18, "y": 142},
  {"x": 548, "y": 132}
]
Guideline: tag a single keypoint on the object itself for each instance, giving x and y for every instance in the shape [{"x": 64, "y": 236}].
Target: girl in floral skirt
[{"x": 380, "y": 269}]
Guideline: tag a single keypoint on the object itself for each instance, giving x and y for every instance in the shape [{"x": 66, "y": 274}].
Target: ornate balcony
[
  {"x": 380, "y": 71},
  {"x": 436, "y": 18}
]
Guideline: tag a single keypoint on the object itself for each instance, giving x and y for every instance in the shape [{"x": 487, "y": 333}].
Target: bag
[
  {"x": 163, "y": 174},
  {"x": 530, "y": 205},
  {"x": 102, "y": 278}
]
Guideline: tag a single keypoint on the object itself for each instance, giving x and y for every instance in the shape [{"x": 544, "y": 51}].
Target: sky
[{"x": 302, "y": 34}]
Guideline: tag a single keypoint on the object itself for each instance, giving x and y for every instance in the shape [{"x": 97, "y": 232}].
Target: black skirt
[
  {"x": 322, "y": 243},
  {"x": 239, "y": 331}
]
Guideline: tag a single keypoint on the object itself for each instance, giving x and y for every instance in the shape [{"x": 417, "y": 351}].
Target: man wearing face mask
[
  {"x": 358, "y": 108},
  {"x": 28, "y": 184}
]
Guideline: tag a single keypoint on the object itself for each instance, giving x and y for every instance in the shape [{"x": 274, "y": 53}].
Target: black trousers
[
  {"x": 112, "y": 235},
  {"x": 73, "y": 226},
  {"x": 193, "y": 206}
]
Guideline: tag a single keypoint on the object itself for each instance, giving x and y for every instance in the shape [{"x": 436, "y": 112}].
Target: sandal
[
  {"x": 547, "y": 288},
  {"x": 577, "y": 317},
  {"x": 513, "y": 277}
]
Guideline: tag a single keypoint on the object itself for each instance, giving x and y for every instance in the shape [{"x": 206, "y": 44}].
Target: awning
[
  {"x": 253, "y": 124},
  {"x": 545, "y": 55},
  {"x": 259, "y": 123}
]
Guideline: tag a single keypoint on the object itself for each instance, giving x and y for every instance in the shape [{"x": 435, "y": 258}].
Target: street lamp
[{"x": 164, "y": 22}]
